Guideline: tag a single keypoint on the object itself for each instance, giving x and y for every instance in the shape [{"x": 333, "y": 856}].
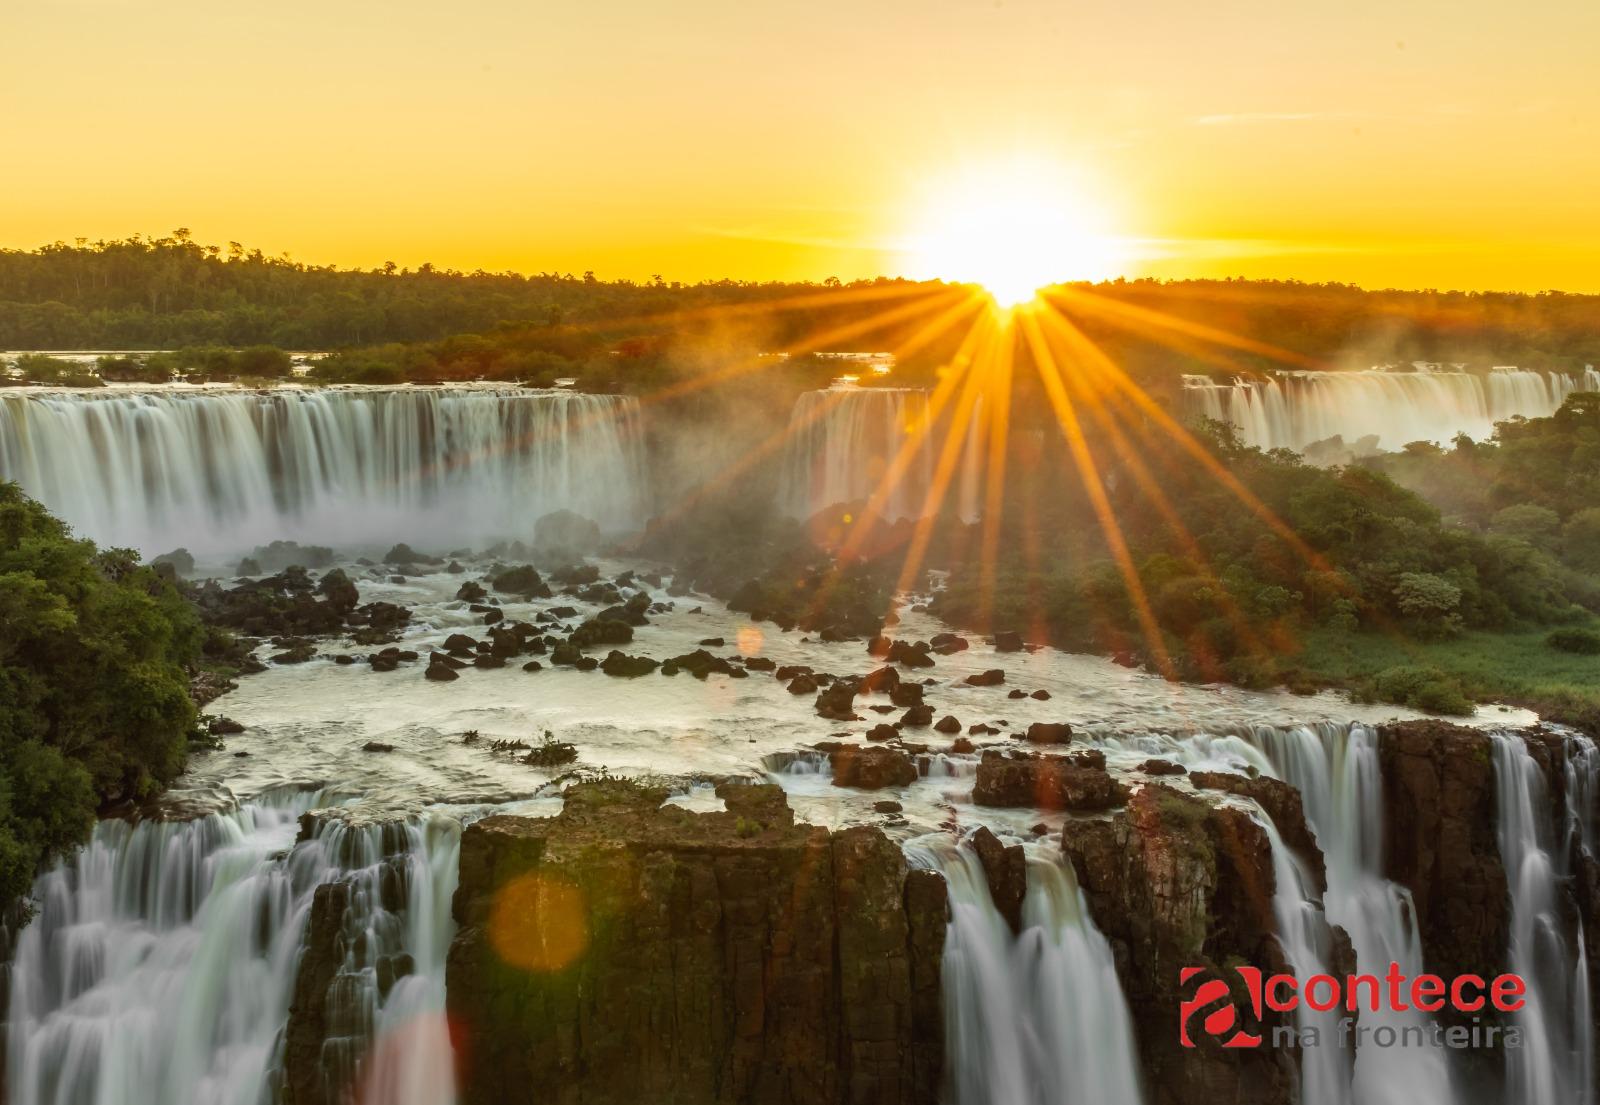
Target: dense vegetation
[
  {"x": 1380, "y": 571},
  {"x": 393, "y": 323},
  {"x": 94, "y": 706}
]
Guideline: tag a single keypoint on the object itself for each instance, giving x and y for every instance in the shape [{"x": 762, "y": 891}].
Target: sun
[{"x": 1013, "y": 227}]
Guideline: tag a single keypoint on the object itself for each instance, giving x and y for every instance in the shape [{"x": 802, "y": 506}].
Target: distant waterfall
[
  {"x": 1037, "y": 1018},
  {"x": 1555, "y": 1065},
  {"x": 223, "y": 471},
  {"x": 843, "y": 448},
  {"x": 160, "y": 966},
  {"x": 1295, "y": 409}
]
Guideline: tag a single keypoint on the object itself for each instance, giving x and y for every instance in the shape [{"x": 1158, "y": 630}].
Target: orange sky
[{"x": 1421, "y": 143}]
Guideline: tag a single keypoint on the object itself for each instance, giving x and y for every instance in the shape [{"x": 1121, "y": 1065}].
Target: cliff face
[
  {"x": 1175, "y": 882},
  {"x": 1439, "y": 811},
  {"x": 625, "y": 952}
]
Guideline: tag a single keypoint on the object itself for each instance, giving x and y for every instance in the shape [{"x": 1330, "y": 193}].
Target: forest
[{"x": 391, "y": 323}]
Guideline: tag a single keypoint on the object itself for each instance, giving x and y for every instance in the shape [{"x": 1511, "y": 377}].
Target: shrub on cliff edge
[{"x": 94, "y": 705}]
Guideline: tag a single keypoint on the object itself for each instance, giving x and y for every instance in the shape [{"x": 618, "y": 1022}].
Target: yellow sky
[{"x": 1449, "y": 143}]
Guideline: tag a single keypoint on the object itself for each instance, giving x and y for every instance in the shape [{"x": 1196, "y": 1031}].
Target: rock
[
  {"x": 307, "y": 1079},
  {"x": 1017, "y": 693},
  {"x": 602, "y": 631},
  {"x": 991, "y": 678},
  {"x": 440, "y": 669},
  {"x": 1174, "y": 883},
  {"x": 948, "y": 724},
  {"x": 248, "y": 567},
  {"x": 1040, "y": 695},
  {"x": 459, "y": 641},
  {"x": 562, "y": 531},
  {"x": 1281, "y": 802},
  {"x": 471, "y": 591},
  {"x": 802, "y": 684},
  {"x": 880, "y": 681},
  {"x": 837, "y": 702},
  {"x": 339, "y": 592},
  {"x": 488, "y": 660},
  {"x": 287, "y": 554},
  {"x": 1046, "y": 732},
  {"x": 1008, "y": 641},
  {"x": 377, "y": 746},
  {"x": 1005, "y": 868},
  {"x": 870, "y": 768},
  {"x": 296, "y": 654},
  {"x": 713, "y": 642},
  {"x": 223, "y": 727},
  {"x": 1439, "y": 842},
  {"x": 917, "y": 717},
  {"x": 889, "y": 806},
  {"x": 624, "y": 666},
  {"x": 946, "y": 644},
  {"x": 524, "y": 582},
  {"x": 406, "y": 555},
  {"x": 1162, "y": 767},
  {"x": 906, "y": 694},
  {"x": 760, "y": 663},
  {"x": 1031, "y": 780},
  {"x": 179, "y": 560},
  {"x": 533, "y": 665},
  {"x": 910, "y": 656},
  {"x": 978, "y": 728},
  {"x": 961, "y": 746},
  {"x": 809, "y": 959},
  {"x": 882, "y": 732}
]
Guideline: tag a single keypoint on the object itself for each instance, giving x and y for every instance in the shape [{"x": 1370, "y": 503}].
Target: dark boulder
[
  {"x": 1031, "y": 780},
  {"x": 1046, "y": 732},
  {"x": 624, "y": 666},
  {"x": 1005, "y": 868},
  {"x": 991, "y": 678},
  {"x": 948, "y": 724},
  {"x": 871, "y": 768}
]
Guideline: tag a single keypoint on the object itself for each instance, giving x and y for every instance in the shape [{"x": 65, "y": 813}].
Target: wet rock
[
  {"x": 837, "y": 702},
  {"x": 471, "y": 591},
  {"x": 488, "y": 660},
  {"x": 296, "y": 654},
  {"x": 602, "y": 631},
  {"x": 760, "y": 663},
  {"x": 566, "y": 532},
  {"x": 917, "y": 717},
  {"x": 1439, "y": 810},
  {"x": 869, "y": 768},
  {"x": 946, "y": 644},
  {"x": 532, "y": 665},
  {"x": 1281, "y": 802},
  {"x": 1040, "y": 695},
  {"x": 906, "y": 694},
  {"x": 713, "y": 642},
  {"x": 889, "y": 806},
  {"x": 180, "y": 561},
  {"x": 623, "y": 666},
  {"x": 306, "y": 1077},
  {"x": 1162, "y": 767},
  {"x": 948, "y": 724},
  {"x": 1174, "y": 882},
  {"x": 1005, "y": 868},
  {"x": 961, "y": 745},
  {"x": 802, "y": 684},
  {"x": 1048, "y": 732},
  {"x": 1022, "y": 780},
  {"x": 223, "y": 727},
  {"x": 441, "y": 669},
  {"x": 377, "y": 746},
  {"x": 248, "y": 567},
  {"x": 809, "y": 958},
  {"x": 979, "y": 729},
  {"x": 915, "y": 655},
  {"x": 524, "y": 582},
  {"x": 991, "y": 678},
  {"x": 405, "y": 555},
  {"x": 1008, "y": 641},
  {"x": 882, "y": 732},
  {"x": 459, "y": 641},
  {"x": 278, "y": 555}
]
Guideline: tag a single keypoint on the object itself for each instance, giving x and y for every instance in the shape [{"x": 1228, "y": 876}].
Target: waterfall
[
  {"x": 1336, "y": 770},
  {"x": 844, "y": 440},
  {"x": 1294, "y": 409},
  {"x": 1037, "y": 1018},
  {"x": 161, "y": 962},
  {"x": 225, "y": 470},
  {"x": 1555, "y": 1065}
]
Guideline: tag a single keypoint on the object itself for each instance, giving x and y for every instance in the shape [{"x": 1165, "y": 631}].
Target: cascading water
[
  {"x": 225, "y": 470},
  {"x": 1036, "y": 1018},
  {"x": 1336, "y": 770},
  {"x": 160, "y": 965},
  {"x": 1295, "y": 409},
  {"x": 1555, "y": 1064},
  {"x": 845, "y": 439}
]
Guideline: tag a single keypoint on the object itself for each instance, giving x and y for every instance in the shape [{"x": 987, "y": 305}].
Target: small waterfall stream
[
  {"x": 162, "y": 960},
  {"x": 225, "y": 470},
  {"x": 1036, "y": 1018},
  {"x": 1555, "y": 1065}
]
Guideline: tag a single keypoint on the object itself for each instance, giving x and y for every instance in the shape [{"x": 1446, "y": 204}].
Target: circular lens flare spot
[
  {"x": 750, "y": 640},
  {"x": 538, "y": 922}
]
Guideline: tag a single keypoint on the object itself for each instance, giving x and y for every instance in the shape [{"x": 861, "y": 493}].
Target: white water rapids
[
  {"x": 224, "y": 470},
  {"x": 1294, "y": 409}
]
